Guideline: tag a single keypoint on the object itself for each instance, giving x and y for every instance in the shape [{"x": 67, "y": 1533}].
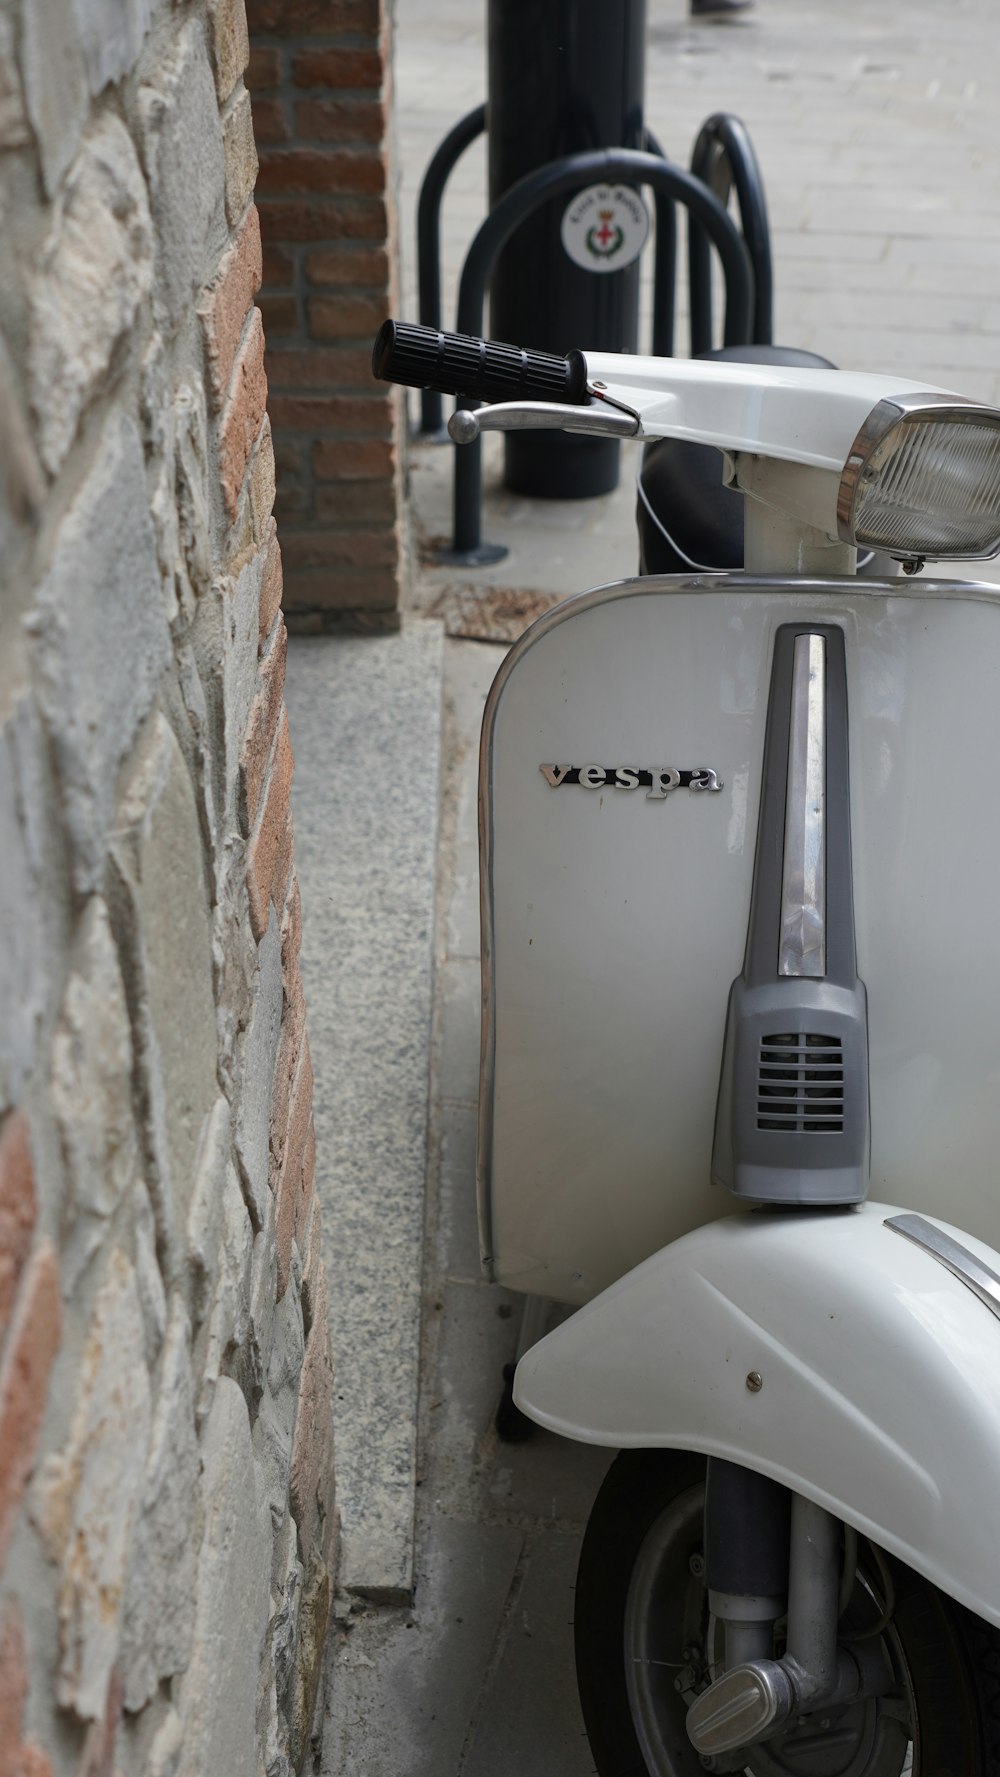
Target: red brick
[
  {"x": 324, "y": 219},
  {"x": 312, "y": 1259},
  {"x": 283, "y": 863},
  {"x": 361, "y": 460},
  {"x": 18, "y": 1208},
  {"x": 360, "y": 416},
  {"x": 279, "y": 268},
  {"x": 13, "y": 1691},
  {"x": 263, "y": 69},
  {"x": 98, "y": 1756},
  {"x": 357, "y": 502},
  {"x": 307, "y": 1181},
  {"x": 280, "y": 315},
  {"x": 317, "y": 589},
  {"x": 270, "y": 123},
  {"x": 34, "y": 1762},
  {"x": 293, "y": 1028},
  {"x": 268, "y": 839},
  {"x": 270, "y": 588},
  {"x": 341, "y": 67},
  {"x": 340, "y": 549},
  {"x": 358, "y": 171},
  {"x": 349, "y": 316},
  {"x": 312, "y": 1485},
  {"x": 225, "y": 304},
  {"x": 354, "y": 266},
  {"x": 294, "y": 505},
  {"x": 341, "y": 120},
  {"x": 317, "y": 18},
  {"x": 263, "y": 721},
  {"x": 28, "y": 1357},
  {"x": 319, "y": 368},
  {"x": 291, "y": 933},
  {"x": 243, "y": 413}
]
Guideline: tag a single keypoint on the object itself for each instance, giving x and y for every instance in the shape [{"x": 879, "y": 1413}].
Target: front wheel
[{"x": 646, "y": 1646}]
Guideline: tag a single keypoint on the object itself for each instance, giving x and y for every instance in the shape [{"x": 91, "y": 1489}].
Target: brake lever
[{"x": 602, "y": 417}]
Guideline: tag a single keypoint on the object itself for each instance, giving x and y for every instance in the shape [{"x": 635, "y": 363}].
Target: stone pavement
[{"x": 876, "y": 131}]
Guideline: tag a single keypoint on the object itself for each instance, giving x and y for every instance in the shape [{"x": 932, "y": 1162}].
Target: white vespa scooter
[{"x": 741, "y": 850}]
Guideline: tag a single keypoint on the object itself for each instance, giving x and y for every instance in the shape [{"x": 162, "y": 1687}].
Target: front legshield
[{"x": 820, "y": 1349}]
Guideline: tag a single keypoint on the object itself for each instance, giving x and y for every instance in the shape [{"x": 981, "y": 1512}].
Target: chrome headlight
[{"x": 923, "y": 479}]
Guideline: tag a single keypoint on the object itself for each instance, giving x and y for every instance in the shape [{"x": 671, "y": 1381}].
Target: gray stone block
[
  {"x": 158, "y": 1618},
  {"x": 274, "y": 1426},
  {"x": 94, "y": 272},
  {"x": 55, "y": 84},
  {"x": 204, "y": 1226},
  {"x": 100, "y": 1480},
  {"x": 100, "y": 639},
  {"x": 111, "y": 32},
  {"x": 22, "y": 985},
  {"x": 91, "y": 1083},
  {"x": 260, "y": 1049},
  {"x": 217, "y": 1692},
  {"x": 181, "y": 141},
  {"x": 159, "y": 853},
  {"x": 15, "y": 131},
  {"x": 229, "y": 1320}
]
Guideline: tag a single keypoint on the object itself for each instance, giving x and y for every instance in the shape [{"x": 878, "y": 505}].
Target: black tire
[{"x": 639, "y": 1589}]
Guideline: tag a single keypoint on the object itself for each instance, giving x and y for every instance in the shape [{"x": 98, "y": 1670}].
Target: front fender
[{"x": 879, "y": 1378}]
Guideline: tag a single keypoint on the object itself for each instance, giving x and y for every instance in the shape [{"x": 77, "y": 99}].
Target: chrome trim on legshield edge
[
  {"x": 803, "y": 872},
  {"x": 950, "y": 1253}
]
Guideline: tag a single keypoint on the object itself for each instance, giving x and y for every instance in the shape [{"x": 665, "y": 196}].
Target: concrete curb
[{"x": 365, "y": 717}]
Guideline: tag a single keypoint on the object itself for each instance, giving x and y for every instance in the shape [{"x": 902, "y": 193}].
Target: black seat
[{"x": 687, "y": 518}]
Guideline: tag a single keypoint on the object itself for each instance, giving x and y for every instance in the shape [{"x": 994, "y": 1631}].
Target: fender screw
[
  {"x": 755, "y": 1382},
  {"x": 697, "y": 1565}
]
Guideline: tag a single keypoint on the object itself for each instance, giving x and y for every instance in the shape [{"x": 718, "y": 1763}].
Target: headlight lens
[{"x": 924, "y": 480}]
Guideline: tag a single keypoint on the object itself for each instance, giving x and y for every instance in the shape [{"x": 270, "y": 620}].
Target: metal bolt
[
  {"x": 697, "y": 1565},
  {"x": 755, "y": 1382}
]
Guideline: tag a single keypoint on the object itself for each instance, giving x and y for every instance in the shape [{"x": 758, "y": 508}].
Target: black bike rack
[{"x": 723, "y": 160}]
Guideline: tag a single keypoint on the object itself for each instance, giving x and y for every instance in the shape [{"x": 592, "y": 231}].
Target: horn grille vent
[{"x": 800, "y": 1083}]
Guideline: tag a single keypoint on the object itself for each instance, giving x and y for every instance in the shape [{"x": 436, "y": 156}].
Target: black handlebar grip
[{"x": 457, "y": 364}]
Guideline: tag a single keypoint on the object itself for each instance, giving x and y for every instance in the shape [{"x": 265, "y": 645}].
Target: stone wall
[
  {"x": 320, "y": 77},
  {"x": 167, "y": 1523}
]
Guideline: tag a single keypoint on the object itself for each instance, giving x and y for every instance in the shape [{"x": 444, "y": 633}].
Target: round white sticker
[{"x": 605, "y": 227}]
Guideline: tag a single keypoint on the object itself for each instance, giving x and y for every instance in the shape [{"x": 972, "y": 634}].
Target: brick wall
[
  {"x": 319, "y": 74},
  {"x": 167, "y": 1525}
]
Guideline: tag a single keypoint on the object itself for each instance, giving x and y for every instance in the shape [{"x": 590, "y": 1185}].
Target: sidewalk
[{"x": 876, "y": 132}]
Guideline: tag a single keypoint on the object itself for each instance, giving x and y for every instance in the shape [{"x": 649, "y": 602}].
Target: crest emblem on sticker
[{"x": 605, "y": 227}]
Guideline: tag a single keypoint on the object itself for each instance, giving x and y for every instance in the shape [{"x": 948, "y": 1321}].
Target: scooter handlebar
[{"x": 485, "y": 370}]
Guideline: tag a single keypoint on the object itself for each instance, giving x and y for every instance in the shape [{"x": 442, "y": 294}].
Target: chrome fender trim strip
[{"x": 963, "y": 1264}]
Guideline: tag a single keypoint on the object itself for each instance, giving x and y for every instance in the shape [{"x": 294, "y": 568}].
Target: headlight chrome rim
[{"x": 863, "y": 460}]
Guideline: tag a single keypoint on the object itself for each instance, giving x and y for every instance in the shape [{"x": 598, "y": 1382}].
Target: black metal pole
[
  {"x": 620, "y": 165},
  {"x": 565, "y": 78}
]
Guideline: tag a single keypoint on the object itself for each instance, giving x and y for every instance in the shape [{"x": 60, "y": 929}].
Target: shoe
[{"x": 702, "y": 9}]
